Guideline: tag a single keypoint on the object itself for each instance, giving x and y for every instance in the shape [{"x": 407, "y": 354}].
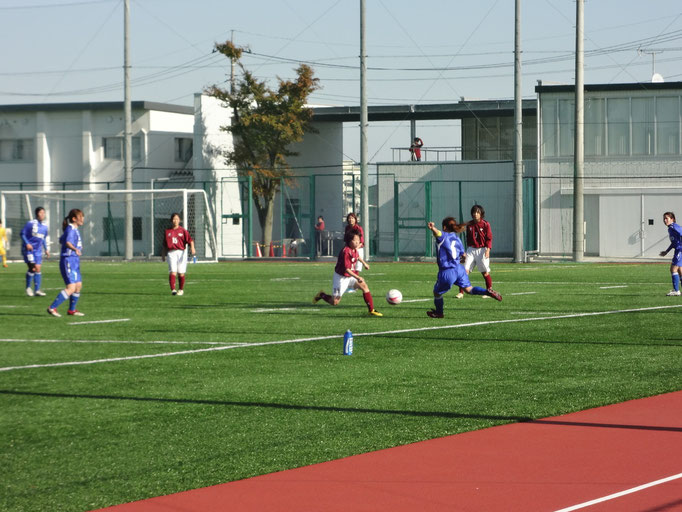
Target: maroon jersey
[
  {"x": 346, "y": 260},
  {"x": 479, "y": 234},
  {"x": 177, "y": 239},
  {"x": 357, "y": 229}
]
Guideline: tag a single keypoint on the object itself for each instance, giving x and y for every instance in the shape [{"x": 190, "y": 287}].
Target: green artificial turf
[{"x": 79, "y": 437}]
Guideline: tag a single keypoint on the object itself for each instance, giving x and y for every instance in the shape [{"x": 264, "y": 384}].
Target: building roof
[
  {"x": 460, "y": 110},
  {"x": 98, "y": 105},
  {"x": 635, "y": 86}
]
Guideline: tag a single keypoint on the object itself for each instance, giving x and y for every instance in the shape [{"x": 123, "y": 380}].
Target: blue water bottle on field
[
  {"x": 194, "y": 259},
  {"x": 348, "y": 343}
]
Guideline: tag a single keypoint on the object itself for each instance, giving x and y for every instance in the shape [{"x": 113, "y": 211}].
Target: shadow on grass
[{"x": 353, "y": 410}]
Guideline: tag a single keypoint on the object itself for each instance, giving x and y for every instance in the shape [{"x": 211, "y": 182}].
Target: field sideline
[{"x": 150, "y": 394}]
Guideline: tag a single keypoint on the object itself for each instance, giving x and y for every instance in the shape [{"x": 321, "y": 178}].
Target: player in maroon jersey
[
  {"x": 175, "y": 243},
  {"x": 352, "y": 225},
  {"x": 345, "y": 277},
  {"x": 479, "y": 244}
]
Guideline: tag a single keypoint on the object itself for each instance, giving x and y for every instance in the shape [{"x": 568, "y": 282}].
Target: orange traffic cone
[
  {"x": 258, "y": 253},
  {"x": 284, "y": 249},
  {"x": 272, "y": 250}
]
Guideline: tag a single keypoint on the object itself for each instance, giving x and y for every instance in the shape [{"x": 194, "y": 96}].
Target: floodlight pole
[
  {"x": 364, "y": 185},
  {"x": 579, "y": 154},
  {"x": 518, "y": 142},
  {"x": 127, "y": 135}
]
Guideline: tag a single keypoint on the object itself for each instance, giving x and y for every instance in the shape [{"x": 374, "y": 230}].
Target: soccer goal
[{"x": 103, "y": 231}]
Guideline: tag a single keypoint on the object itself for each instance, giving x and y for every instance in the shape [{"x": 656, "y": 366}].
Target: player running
[
  {"x": 353, "y": 226},
  {"x": 449, "y": 251},
  {"x": 4, "y": 245},
  {"x": 479, "y": 244},
  {"x": 34, "y": 239},
  {"x": 675, "y": 235},
  {"x": 70, "y": 264},
  {"x": 174, "y": 248},
  {"x": 345, "y": 277}
]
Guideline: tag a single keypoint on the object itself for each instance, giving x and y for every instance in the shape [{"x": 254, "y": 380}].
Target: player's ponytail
[
  {"x": 73, "y": 214},
  {"x": 450, "y": 225}
]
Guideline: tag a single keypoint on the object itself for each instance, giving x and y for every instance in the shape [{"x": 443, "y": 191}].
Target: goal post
[{"x": 103, "y": 231}]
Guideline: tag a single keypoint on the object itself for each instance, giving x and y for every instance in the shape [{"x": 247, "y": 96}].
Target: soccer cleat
[
  {"x": 53, "y": 312},
  {"x": 434, "y": 314},
  {"x": 318, "y": 297},
  {"x": 460, "y": 295},
  {"x": 181, "y": 292},
  {"x": 74, "y": 312},
  {"x": 29, "y": 292},
  {"x": 174, "y": 292},
  {"x": 374, "y": 312},
  {"x": 673, "y": 293},
  {"x": 40, "y": 293},
  {"x": 494, "y": 294},
  {"x": 485, "y": 296}
]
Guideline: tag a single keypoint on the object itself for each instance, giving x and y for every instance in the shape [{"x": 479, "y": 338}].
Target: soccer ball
[{"x": 394, "y": 297}]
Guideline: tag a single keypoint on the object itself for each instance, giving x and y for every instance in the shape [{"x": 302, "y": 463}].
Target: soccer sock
[
  {"x": 326, "y": 298},
  {"x": 676, "y": 281},
  {"x": 37, "y": 279},
  {"x": 461, "y": 290},
  {"x": 182, "y": 281},
  {"x": 29, "y": 279},
  {"x": 438, "y": 302},
  {"x": 73, "y": 300},
  {"x": 488, "y": 281},
  {"x": 477, "y": 290},
  {"x": 368, "y": 300},
  {"x": 171, "y": 280},
  {"x": 61, "y": 297}
]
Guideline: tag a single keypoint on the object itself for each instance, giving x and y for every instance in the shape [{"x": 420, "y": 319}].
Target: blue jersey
[
  {"x": 34, "y": 233},
  {"x": 675, "y": 235},
  {"x": 71, "y": 234},
  {"x": 449, "y": 249}
]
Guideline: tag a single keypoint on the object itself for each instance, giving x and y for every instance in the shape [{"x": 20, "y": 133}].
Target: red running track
[{"x": 546, "y": 465}]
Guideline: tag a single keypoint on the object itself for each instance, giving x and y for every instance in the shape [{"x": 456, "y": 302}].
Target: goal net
[{"x": 103, "y": 231}]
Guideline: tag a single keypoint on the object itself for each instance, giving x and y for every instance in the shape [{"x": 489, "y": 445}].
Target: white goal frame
[{"x": 211, "y": 253}]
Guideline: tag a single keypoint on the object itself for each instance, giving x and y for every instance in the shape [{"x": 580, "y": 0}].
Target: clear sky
[{"x": 418, "y": 52}]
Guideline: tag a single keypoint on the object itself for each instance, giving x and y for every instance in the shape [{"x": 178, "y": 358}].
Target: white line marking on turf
[
  {"x": 622, "y": 493},
  {"x": 522, "y": 293},
  {"x": 609, "y": 287},
  {"x": 269, "y": 310},
  {"x": 12, "y": 306},
  {"x": 125, "y": 342},
  {"x": 101, "y": 321},
  {"x": 416, "y": 300},
  {"x": 285, "y": 279},
  {"x": 337, "y": 336}
]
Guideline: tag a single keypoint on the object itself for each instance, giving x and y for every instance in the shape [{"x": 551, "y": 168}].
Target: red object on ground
[
  {"x": 284, "y": 249},
  {"x": 258, "y": 253},
  {"x": 272, "y": 250},
  {"x": 544, "y": 465}
]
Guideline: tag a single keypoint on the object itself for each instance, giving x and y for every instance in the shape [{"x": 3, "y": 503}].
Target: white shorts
[
  {"x": 476, "y": 256},
  {"x": 177, "y": 261},
  {"x": 358, "y": 265},
  {"x": 341, "y": 284}
]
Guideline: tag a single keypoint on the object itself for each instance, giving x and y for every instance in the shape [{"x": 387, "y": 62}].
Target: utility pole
[
  {"x": 127, "y": 133},
  {"x": 518, "y": 142},
  {"x": 364, "y": 194},
  {"x": 579, "y": 148}
]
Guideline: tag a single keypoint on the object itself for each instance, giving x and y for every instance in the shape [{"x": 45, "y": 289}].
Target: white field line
[
  {"x": 622, "y": 493},
  {"x": 285, "y": 279},
  {"x": 336, "y": 336},
  {"x": 417, "y": 300},
  {"x": 101, "y": 321},
  {"x": 125, "y": 342},
  {"x": 522, "y": 293},
  {"x": 610, "y": 287},
  {"x": 270, "y": 310}
]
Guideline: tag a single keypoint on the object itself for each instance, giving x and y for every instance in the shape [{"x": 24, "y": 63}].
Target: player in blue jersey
[
  {"x": 69, "y": 264},
  {"x": 449, "y": 252},
  {"x": 34, "y": 241},
  {"x": 675, "y": 235}
]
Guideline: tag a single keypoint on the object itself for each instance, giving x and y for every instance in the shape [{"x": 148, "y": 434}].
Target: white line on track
[
  {"x": 610, "y": 287},
  {"x": 622, "y": 493},
  {"x": 228, "y": 346},
  {"x": 101, "y": 321}
]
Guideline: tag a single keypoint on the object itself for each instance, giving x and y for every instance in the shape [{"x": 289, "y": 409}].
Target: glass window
[
  {"x": 618, "y": 123},
  {"x": 642, "y": 126},
  {"x": 668, "y": 126},
  {"x": 113, "y": 148},
  {"x": 595, "y": 130},
  {"x": 16, "y": 150},
  {"x": 183, "y": 149},
  {"x": 566, "y": 127},
  {"x": 549, "y": 128}
]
